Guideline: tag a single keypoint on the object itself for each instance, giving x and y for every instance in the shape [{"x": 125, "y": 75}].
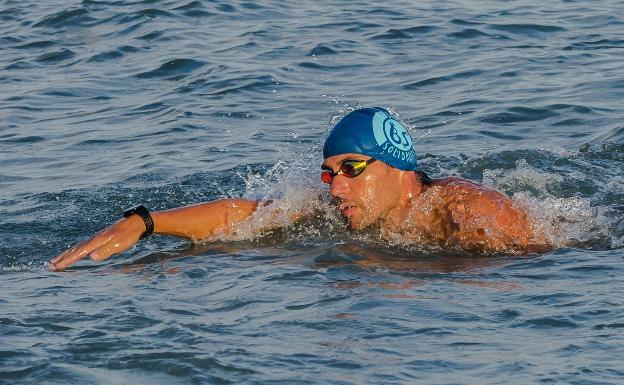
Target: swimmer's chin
[
  {"x": 357, "y": 223},
  {"x": 352, "y": 224}
]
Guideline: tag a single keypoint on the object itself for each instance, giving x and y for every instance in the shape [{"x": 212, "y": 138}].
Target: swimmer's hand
[{"x": 114, "y": 239}]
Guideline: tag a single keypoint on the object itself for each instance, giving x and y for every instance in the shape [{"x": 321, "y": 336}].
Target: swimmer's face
[{"x": 368, "y": 197}]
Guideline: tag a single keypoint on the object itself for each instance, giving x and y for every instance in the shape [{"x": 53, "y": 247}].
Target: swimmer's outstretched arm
[{"x": 192, "y": 222}]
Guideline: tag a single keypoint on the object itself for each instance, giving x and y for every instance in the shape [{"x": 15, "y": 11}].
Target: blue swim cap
[{"x": 374, "y": 132}]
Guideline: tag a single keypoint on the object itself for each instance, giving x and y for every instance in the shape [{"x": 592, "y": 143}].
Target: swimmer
[{"x": 372, "y": 172}]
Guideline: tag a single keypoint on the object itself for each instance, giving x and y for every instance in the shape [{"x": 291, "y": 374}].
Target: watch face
[
  {"x": 135, "y": 210},
  {"x": 130, "y": 211}
]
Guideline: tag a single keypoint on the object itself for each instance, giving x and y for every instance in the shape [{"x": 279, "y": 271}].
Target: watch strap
[{"x": 144, "y": 213}]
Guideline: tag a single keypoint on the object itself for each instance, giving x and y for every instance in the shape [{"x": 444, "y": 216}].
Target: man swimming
[{"x": 371, "y": 168}]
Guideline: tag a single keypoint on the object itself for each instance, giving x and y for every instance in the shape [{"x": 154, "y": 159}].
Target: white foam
[
  {"x": 30, "y": 266},
  {"x": 563, "y": 221},
  {"x": 521, "y": 178}
]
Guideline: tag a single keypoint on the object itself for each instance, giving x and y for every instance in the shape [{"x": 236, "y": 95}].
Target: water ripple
[
  {"x": 403, "y": 33},
  {"x": 519, "y": 114},
  {"x": 68, "y": 17},
  {"x": 55, "y": 56},
  {"x": 526, "y": 29},
  {"x": 438, "y": 79},
  {"x": 321, "y": 49},
  {"x": 468, "y": 33},
  {"x": 173, "y": 69},
  {"x": 547, "y": 323},
  {"x": 36, "y": 44},
  {"x": 596, "y": 45}
]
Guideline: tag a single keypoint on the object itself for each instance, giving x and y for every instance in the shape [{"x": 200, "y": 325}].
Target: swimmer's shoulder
[
  {"x": 462, "y": 190},
  {"x": 455, "y": 185}
]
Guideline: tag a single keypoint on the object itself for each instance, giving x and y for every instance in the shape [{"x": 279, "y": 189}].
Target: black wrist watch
[{"x": 144, "y": 213}]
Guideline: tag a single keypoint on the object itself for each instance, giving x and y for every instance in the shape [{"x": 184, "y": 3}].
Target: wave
[
  {"x": 55, "y": 56},
  {"x": 172, "y": 69},
  {"x": 36, "y": 44},
  {"x": 403, "y": 33},
  {"x": 321, "y": 49},
  {"x": 66, "y": 18},
  {"x": 595, "y": 45},
  {"x": 231, "y": 84},
  {"x": 527, "y": 29},
  {"x": 444, "y": 78},
  {"x": 468, "y": 33},
  {"x": 608, "y": 146},
  {"x": 519, "y": 114}
]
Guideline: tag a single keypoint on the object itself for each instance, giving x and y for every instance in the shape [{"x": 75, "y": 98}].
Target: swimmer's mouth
[{"x": 346, "y": 210}]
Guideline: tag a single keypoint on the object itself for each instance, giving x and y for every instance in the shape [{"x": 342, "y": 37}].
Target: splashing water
[
  {"x": 564, "y": 221},
  {"x": 294, "y": 191},
  {"x": 581, "y": 220},
  {"x": 584, "y": 218}
]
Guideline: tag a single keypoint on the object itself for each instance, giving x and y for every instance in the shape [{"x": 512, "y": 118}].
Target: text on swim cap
[{"x": 393, "y": 138}]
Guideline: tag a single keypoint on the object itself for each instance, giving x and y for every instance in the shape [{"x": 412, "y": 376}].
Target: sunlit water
[{"x": 106, "y": 104}]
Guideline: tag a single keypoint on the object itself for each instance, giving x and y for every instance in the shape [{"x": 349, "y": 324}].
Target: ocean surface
[{"x": 107, "y": 104}]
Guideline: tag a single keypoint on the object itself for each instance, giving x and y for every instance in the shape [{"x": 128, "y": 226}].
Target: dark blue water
[{"x": 106, "y": 104}]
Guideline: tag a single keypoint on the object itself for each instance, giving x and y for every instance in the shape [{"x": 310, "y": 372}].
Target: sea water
[{"x": 107, "y": 104}]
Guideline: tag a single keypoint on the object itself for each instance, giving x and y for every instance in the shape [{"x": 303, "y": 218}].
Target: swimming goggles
[{"x": 348, "y": 168}]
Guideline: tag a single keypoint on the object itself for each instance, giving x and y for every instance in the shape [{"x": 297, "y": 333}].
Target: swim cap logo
[{"x": 392, "y": 137}]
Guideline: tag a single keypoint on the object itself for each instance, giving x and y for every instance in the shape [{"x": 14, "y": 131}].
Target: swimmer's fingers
[
  {"x": 112, "y": 240},
  {"x": 77, "y": 252}
]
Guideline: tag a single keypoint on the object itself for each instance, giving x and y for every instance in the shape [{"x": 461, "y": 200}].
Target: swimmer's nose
[{"x": 339, "y": 186}]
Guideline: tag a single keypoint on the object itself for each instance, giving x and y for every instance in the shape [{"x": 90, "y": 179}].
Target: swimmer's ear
[{"x": 412, "y": 186}]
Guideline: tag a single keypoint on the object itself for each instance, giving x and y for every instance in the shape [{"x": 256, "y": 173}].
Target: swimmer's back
[{"x": 483, "y": 218}]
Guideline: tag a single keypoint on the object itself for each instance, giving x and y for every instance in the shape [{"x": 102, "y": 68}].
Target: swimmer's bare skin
[
  {"x": 455, "y": 212},
  {"x": 195, "y": 222},
  {"x": 451, "y": 212}
]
